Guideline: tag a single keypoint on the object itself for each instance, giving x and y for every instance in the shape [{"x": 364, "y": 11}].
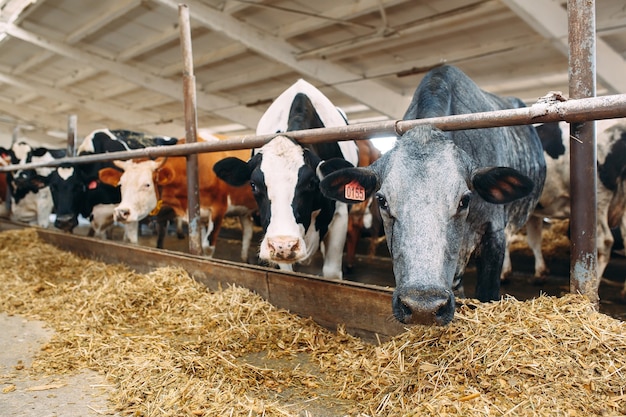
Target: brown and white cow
[{"x": 146, "y": 184}]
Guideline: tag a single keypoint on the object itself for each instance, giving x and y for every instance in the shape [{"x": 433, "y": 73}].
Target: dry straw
[{"x": 172, "y": 348}]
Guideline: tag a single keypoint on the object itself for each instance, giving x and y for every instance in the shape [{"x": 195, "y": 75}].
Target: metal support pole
[
  {"x": 583, "y": 170},
  {"x": 191, "y": 121},
  {"x": 71, "y": 135}
]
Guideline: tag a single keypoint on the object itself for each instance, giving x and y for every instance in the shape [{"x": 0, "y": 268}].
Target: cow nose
[
  {"x": 284, "y": 247},
  {"x": 122, "y": 214},
  {"x": 65, "y": 222},
  {"x": 424, "y": 306}
]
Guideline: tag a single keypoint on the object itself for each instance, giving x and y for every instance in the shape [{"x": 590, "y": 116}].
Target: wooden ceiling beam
[
  {"x": 207, "y": 102},
  {"x": 552, "y": 22},
  {"x": 353, "y": 85}
]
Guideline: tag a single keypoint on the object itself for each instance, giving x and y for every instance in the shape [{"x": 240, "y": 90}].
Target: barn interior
[
  {"x": 118, "y": 64},
  {"x": 117, "y": 340}
]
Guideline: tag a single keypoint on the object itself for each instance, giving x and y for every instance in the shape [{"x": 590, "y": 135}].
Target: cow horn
[
  {"x": 121, "y": 164},
  {"x": 161, "y": 161}
]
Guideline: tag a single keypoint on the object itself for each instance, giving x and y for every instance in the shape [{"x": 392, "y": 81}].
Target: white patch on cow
[
  {"x": 276, "y": 117},
  {"x": 281, "y": 161},
  {"x": 65, "y": 172},
  {"x": 87, "y": 143},
  {"x": 21, "y": 150}
]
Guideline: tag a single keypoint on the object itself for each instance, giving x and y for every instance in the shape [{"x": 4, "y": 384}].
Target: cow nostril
[{"x": 445, "y": 306}]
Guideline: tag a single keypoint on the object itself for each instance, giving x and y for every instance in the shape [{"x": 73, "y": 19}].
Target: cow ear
[
  {"x": 110, "y": 176},
  {"x": 350, "y": 185},
  {"x": 233, "y": 171},
  {"x": 332, "y": 165},
  {"x": 165, "y": 175},
  {"x": 501, "y": 185}
]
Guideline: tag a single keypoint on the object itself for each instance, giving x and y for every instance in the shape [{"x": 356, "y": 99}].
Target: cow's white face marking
[
  {"x": 65, "y": 172},
  {"x": 138, "y": 191},
  {"x": 21, "y": 150},
  {"x": 281, "y": 161}
]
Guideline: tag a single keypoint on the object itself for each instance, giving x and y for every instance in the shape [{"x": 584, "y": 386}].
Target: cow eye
[
  {"x": 464, "y": 202},
  {"x": 382, "y": 202},
  {"x": 253, "y": 186}
]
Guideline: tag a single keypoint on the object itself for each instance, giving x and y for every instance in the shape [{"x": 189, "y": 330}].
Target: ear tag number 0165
[{"x": 354, "y": 191}]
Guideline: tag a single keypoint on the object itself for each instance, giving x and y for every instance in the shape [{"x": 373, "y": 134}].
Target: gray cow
[{"x": 447, "y": 196}]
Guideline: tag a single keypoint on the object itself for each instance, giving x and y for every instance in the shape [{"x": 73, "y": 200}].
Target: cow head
[
  {"x": 24, "y": 181},
  {"x": 138, "y": 184},
  {"x": 431, "y": 198},
  {"x": 284, "y": 178},
  {"x": 68, "y": 191}
]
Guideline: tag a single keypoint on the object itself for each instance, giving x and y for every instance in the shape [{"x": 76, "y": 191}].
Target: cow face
[
  {"x": 68, "y": 189},
  {"x": 138, "y": 187},
  {"x": 284, "y": 178},
  {"x": 432, "y": 202}
]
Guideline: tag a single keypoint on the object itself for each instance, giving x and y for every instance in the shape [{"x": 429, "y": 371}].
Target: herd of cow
[{"x": 443, "y": 197}]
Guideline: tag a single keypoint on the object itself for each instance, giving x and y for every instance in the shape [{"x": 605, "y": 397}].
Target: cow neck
[{"x": 158, "y": 192}]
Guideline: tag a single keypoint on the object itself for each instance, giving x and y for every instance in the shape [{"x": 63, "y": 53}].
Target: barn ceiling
[{"x": 118, "y": 63}]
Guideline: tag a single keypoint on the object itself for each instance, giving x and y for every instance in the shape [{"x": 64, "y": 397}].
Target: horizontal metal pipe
[{"x": 572, "y": 111}]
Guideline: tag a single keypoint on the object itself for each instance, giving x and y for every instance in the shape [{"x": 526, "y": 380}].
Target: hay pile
[{"x": 172, "y": 348}]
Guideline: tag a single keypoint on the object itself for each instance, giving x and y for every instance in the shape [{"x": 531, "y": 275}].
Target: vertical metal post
[
  {"x": 583, "y": 171},
  {"x": 71, "y": 135},
  {"x": 191, "y": 121}
]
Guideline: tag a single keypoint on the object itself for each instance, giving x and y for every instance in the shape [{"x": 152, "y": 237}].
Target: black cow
[
  {"x": 445, "y": 196},
  {"x": 285, "y": 178},
  {"x": 31, "y": 201},
  {"x": 77, "y": 190}
]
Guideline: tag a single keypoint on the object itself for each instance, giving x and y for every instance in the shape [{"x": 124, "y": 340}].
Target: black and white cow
[
  {"x": 445, "y": 196},
  {"x": 296, "y": 218},
  {"x": 555, "y": 198},
  {"x": 77, "y": 190},
  {"x": 31, "y": 200}
]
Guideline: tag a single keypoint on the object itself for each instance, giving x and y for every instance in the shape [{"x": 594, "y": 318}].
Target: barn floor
[{"x": 377, "y": 270}]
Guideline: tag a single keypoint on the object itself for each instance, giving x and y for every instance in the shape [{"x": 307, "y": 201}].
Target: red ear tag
[
  {"x": 93, "y": 185},
  {"x": 354, "y": 191}
]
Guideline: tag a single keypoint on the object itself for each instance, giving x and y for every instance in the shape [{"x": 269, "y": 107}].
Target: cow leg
[
  {"x": 489, "y": 264},
  {"x": 605, "y": 241},
  {"x": 45, "y": 206},
  {"x": 334, "y": 242},
  {"x": 246, "y": 237},
  {"x": 507, "y": 267},
  {"x": 131, "y": 232},
  {"x": 534, "y": 228},
  {"x": 161, "y": 227},
  {"x": 180, "y": 231},
  {"x": 352, "y": 239}
]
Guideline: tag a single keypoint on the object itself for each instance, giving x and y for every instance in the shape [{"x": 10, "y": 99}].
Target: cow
[
  {"x": 555, "y": 198},
  {"x": 363, "y": 216},
  {"x": 76, "y": 189},
  {"x": 445, "y": 196},
  {"x": 31, "y": 199},
  {"x": 145, "y": 184},
  {"x": 5, "y": 159},
  {"x": 296, "y": 218}
]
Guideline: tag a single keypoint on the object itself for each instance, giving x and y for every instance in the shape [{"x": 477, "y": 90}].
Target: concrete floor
[{"x": 82, "y": 395}]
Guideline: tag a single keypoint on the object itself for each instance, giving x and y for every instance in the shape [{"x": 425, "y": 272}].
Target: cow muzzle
[
  {"x": 284, "y": 249},
  {"x": 67, "y": 222},
  {"x": 121, "y": 214},
  {"x": 428, "y": 306}
]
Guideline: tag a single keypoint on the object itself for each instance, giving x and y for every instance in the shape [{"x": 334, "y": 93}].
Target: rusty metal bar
[
  {"x": 583, "y": 171},
  {"x": 72, "y": 138},
  {"x": 596, "y": 108},
  {"x": 191, "y": 124}
]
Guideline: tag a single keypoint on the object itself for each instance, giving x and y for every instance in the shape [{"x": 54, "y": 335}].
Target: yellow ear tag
[
  {"x": 156, "y": 209},
  {"x": 354, "y": 191}
]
